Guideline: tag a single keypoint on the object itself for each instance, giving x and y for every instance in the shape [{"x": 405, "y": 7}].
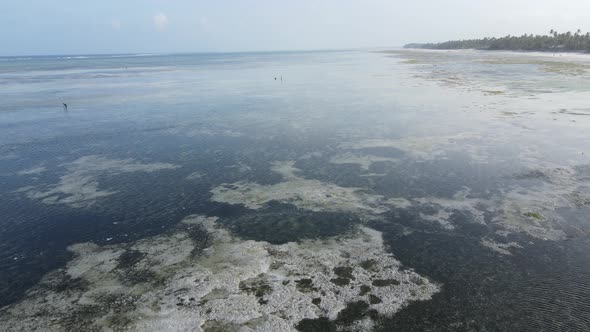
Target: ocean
[{"x": 328, "y": 190}]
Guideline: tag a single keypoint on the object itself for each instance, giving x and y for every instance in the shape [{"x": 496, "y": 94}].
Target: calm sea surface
[{"x": 470, "y": 170}]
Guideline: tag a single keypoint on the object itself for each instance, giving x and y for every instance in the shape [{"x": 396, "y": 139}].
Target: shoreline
[
  {"x": 562, "y": 55},
  {"x": 498, "y": 50}
]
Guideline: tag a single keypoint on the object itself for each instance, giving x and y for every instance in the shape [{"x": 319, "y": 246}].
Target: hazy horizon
[
  {"x": 201, "y": 52},
  {"x": 155, "y": 26}
]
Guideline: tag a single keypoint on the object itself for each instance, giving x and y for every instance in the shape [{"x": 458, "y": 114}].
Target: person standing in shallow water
[{"x": 65, "y": 106}]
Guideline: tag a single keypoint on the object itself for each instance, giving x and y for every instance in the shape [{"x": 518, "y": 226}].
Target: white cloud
[
  {"x": 160, "y": 21},
  {"x": 204, "y": 24},
  {"x": 116, "y": 24}
]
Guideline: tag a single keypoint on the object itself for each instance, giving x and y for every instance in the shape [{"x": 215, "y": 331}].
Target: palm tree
[{"x": 567, "y": 41}]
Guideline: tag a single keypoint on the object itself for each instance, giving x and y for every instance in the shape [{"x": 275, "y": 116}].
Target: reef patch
[
  {"x": 364, "y": 161},
  {"x": 79, "y": 187},
  {"x": 307, "y": 194},
  {"x": 250, "y": 285}
]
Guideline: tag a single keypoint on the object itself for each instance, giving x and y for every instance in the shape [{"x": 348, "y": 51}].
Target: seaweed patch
[
  {"x": 79, "y": 187},
  {"x": 304, "y": 193},
  {"x": 229, "y": 285}
]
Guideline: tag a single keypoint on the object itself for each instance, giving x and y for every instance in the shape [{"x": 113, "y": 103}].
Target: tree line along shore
[{"x": 553, "y": 42}]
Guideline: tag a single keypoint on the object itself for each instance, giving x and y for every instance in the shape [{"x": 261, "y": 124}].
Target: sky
[{"x": 41, "y": 27}]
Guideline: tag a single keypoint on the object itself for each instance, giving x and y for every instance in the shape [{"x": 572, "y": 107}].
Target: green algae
[
  {"x": 256, "y": 286},
  {"x": 364, "y": 290},
  {"x": 68, "y": 283},
  {"x": 200, "y": 238},
  {"x": 140, "y": 276},
  {"x": 374, "y": 299},
  {"x": 219, "y": 326},
  {"x": 321, "y": 324},
  {"x": 411, "y": 62},
  {"x": 369, "y": 265},
  {"x": 493, "y": 92},
  {"x": 340, "y": 281},
  {"x": 535, "y": 215},
  {"x": 355, "y": 311},
  {"x": 305, "y": 285},
  {"x": 344, "y": 272},
  {"x": 129, "y": 258}
]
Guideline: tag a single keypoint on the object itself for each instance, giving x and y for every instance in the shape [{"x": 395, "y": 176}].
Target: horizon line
[{"x": 202, "y": 52}]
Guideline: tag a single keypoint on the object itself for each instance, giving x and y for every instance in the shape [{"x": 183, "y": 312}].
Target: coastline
[{"x": 570, "y": 55}]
